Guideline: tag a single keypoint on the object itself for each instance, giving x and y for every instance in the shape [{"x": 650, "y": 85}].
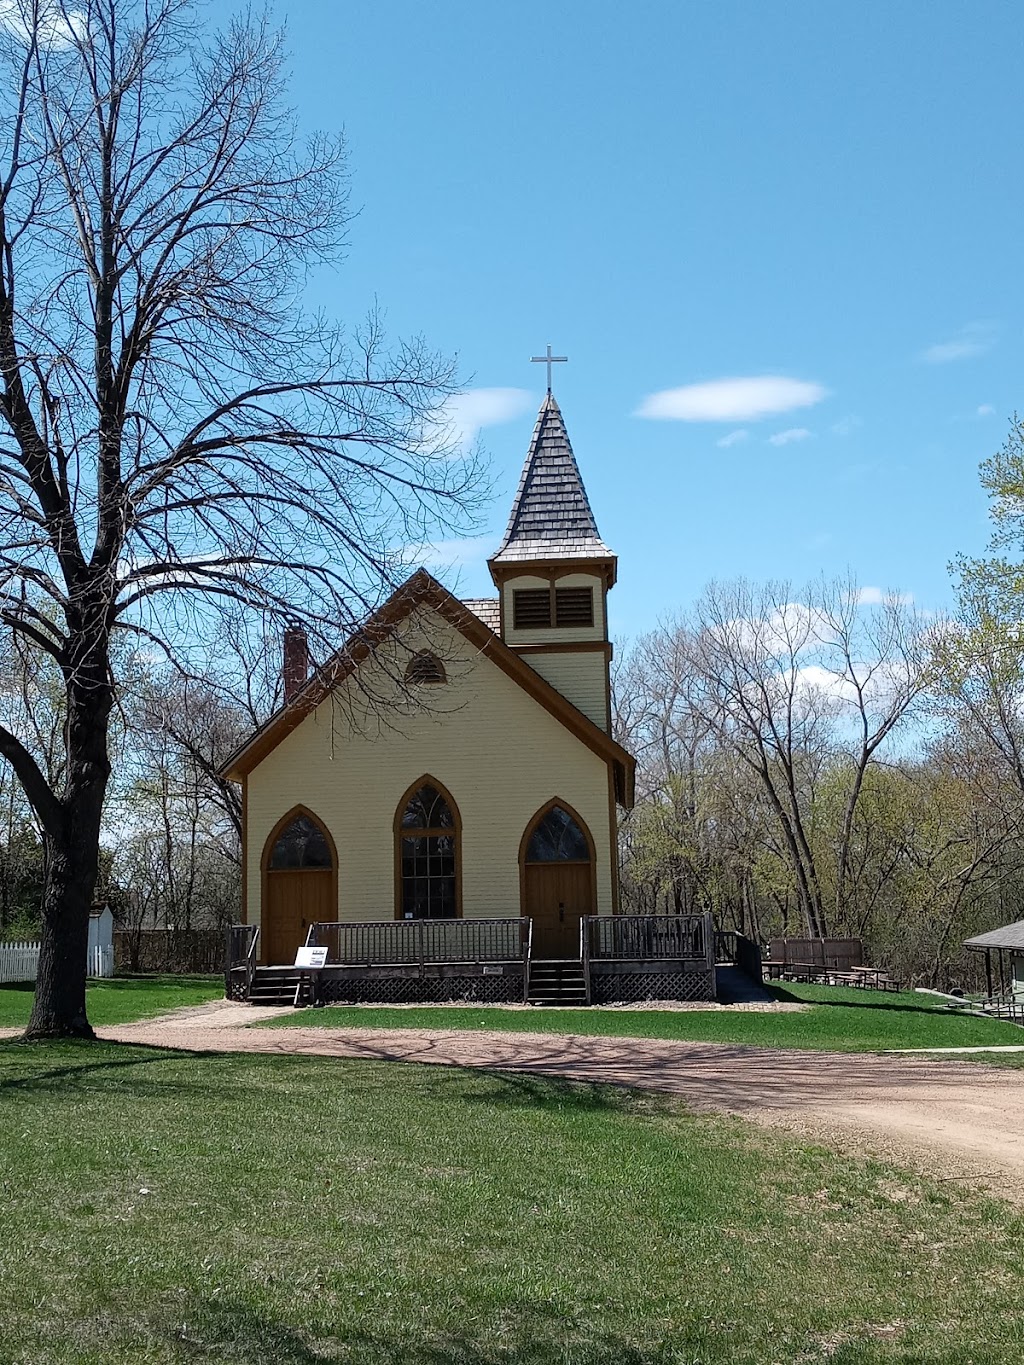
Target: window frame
[{"x": 454, "y": 831}]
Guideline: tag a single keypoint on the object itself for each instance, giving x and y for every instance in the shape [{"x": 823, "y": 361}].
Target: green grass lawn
[
  {"x": 844, "y": 1020},
  {"x": 120, "y": 1000},
  {"x": 163, "y": 1207}
]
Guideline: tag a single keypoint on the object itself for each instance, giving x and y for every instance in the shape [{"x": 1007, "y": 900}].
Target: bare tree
[
  {"x": 793, "y": 680},
  {"x": 175, "y": 432}
]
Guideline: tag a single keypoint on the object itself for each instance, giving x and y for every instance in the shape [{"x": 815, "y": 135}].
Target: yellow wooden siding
[
  {"x": 546, "y": 634},
  {"x": 582, "y": 677},
  {"x": 498, "y": 751}
]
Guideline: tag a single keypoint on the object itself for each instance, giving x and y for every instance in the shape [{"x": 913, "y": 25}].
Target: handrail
[
  {"x": 250, "y": 962},
  {"x": 585, "y": 956},
  {"x": 240, "y": 953},
  {"x": 528, "y": 958}
]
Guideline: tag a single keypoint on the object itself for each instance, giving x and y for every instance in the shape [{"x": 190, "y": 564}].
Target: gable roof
[
  {"x": 551, "y": 515},
  {"x": 1009, "y": 936},
  {"x": 424, "y": 590}
]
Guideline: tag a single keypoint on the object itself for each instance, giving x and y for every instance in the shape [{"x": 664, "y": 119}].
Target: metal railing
[
  {"x": 410, "y": 942},
  {"x": 1009, "y": 1007},
  {"x": 241, "y": 952},
  {"x": 648, "y": 938}
]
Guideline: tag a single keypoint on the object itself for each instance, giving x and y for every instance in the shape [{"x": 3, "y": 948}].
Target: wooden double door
[
  {"x": 295, "y": 899},
  {"x": 557, "y": 896}
]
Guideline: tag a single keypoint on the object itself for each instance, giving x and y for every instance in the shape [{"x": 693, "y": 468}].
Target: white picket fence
[{"x": 20, "y": 961}]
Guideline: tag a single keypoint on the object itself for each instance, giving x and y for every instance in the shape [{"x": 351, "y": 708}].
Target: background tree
[{"x": 175, "y": 432}]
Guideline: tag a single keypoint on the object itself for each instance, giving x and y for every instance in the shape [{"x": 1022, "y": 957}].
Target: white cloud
[
  {"x": 986, "y": 410},
  {"x": 787, "y": 437},
  {"x": 875, "y": 597},
  {"x": 55, "y": 25},
  {"x": 731, "y": 400},
  {"x": 733, "y": 438},
  {"x": 974, "y": 339},
  {"x": 459, "y": 420}
]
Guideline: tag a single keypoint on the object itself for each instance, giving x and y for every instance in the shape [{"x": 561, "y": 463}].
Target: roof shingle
[
  {"x": 488, "y": 609},
  {"x": 551, "y": 516}
]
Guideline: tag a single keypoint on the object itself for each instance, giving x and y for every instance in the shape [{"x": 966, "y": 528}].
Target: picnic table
[{"x": 870, "y": 978}]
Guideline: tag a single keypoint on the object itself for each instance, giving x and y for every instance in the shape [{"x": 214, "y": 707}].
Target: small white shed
[{"x": 101, "y": 942}]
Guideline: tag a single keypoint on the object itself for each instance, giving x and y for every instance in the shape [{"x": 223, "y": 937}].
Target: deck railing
[
  {"x": 648, "y": 938},
  {"x": 408, "y": 942},
  {"x": 241, "y": 953}
]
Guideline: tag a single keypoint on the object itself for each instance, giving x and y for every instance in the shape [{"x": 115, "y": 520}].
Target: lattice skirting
[
  {"x": 632, "y": 987},
  {"x": 236, "y": 985},
  {"x": 404, "y": 990}
]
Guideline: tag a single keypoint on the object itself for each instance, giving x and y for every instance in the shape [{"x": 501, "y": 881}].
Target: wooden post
[{"x": 988, "y": 971}]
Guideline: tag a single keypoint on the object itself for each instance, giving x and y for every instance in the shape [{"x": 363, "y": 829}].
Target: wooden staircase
[
  {"x": 274, "y": 986},
  {"x": 558, "y": 982}
]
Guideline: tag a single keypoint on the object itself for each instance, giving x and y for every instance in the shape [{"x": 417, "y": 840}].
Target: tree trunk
[
  {"x": 72, "y": 853},
  {"x": 58, "y": 1010}
]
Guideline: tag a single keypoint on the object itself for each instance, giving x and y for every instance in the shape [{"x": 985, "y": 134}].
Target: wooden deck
[{"x": 622, "y": 958}]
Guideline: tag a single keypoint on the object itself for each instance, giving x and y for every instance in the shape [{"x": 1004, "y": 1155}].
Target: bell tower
[{"x": 553, "y": 572}]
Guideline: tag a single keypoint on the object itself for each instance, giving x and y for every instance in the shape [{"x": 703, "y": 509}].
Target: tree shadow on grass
[
  {"x": 240, "y": 1333},
  {"x": 878, "y": 1003},
  {"x": 516, "y": 1090},
  {"x": 72, "y": 1075}
]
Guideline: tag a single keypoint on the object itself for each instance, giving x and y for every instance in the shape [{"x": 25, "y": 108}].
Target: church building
[{"x": 454, "y": 760}]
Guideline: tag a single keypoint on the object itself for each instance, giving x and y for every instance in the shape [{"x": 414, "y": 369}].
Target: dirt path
[{"x": 956, "y": 1120}]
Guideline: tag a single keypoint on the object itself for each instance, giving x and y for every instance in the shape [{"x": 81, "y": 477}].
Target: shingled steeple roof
[{"x": 551, "y": 516}]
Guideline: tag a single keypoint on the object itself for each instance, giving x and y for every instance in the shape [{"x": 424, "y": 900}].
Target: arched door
[
  {"x": 557, "y": 858},
  {"x": 300, "y": 879}
]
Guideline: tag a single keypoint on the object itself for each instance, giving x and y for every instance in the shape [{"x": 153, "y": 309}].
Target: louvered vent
[
  {"x": 425, "y": 668},
  {"x": 574, "y": 606},
  {"x": 531, "y": 608}
]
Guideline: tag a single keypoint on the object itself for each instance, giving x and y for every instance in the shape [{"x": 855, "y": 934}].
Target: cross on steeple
[{"x": 548, "y": 360}]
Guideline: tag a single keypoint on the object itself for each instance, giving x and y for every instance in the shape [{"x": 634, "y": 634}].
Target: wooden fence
[
  {"x": 832, "y": 954},
  {"x": 174, "y": 951}
]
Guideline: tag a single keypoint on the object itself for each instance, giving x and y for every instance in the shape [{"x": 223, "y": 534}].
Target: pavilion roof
[{"x": 1009, "y": 936}]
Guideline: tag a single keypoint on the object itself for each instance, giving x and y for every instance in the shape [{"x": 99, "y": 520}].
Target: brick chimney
[{"x": 296, "y": 661}]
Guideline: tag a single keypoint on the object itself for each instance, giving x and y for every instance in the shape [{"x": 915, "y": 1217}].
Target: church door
[
  {"x": 299, "y": 886},
  {"x": 558, "y": 882}
]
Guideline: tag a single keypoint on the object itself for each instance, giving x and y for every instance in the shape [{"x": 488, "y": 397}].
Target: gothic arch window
[
  {"x": 556, "y": 836},
  {"x": 300, "y": 843},
  {"x": 425, "y": 667},
  {"x": 427, "y": 853}
]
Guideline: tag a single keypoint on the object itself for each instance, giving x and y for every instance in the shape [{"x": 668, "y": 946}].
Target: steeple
[
  {"x": 551, "y": 515},
  {"x": 553, "y": 571}
]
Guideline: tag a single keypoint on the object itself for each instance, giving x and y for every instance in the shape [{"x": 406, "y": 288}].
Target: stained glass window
[
  {"x": 427, "y": 809},
  {"x": 557, "y": 838},
  {"x": 301, "y": 844},
  {"x": 428, "y": 857}
]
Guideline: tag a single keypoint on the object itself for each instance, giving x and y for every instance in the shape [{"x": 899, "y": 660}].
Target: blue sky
[{"x": 676, "y": 193}]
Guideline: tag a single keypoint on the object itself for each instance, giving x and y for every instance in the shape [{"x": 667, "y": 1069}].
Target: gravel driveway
[{"x": 956, "y": 1120}]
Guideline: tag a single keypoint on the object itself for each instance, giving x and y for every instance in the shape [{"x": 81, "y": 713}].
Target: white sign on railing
[{"x": 311, "y": 957}]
